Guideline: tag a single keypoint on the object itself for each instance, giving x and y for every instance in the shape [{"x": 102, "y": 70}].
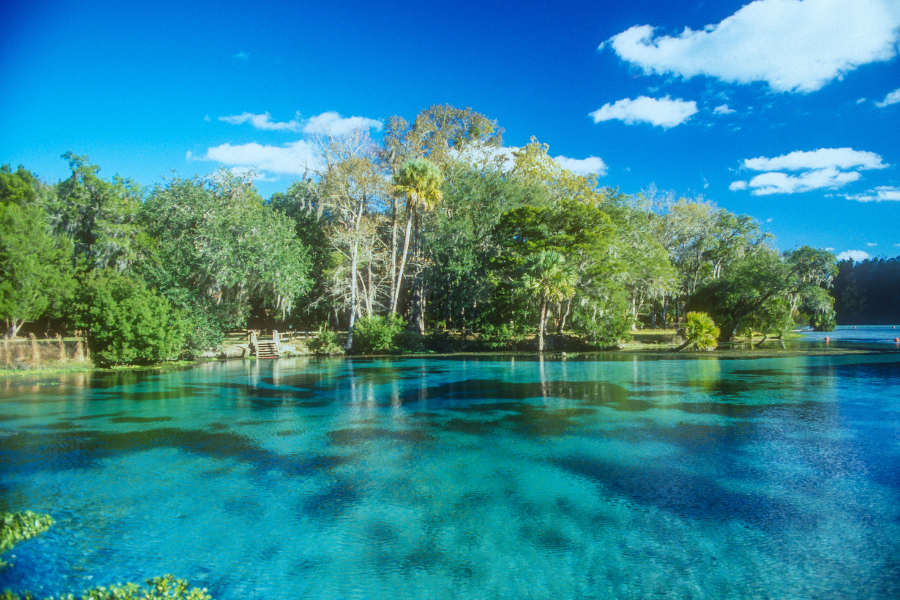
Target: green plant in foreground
[
  {"x": 19, "y": 527},
  {"x": 159, "y": 588}
]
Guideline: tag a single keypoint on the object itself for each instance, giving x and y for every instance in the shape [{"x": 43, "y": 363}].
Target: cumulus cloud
[
  {"x": 826, "y": 168},
  {"x": 329, "y": 123},
  {"x": 723, "y": 110},
  {"x": 288, "y": 159},
  {"x": 892, "y": 98},
  {"x": 661, "y": 112},
  {"x": 824, "y": 158},
  {"x": 854, "y": 255},
  {"x": 583, "y": 166},
  {"x": 334, "y": 124},
  {"x": 263, "y": 122},
  {"x": 882, "y": 193},
  {"x": 792, "y": 46}
]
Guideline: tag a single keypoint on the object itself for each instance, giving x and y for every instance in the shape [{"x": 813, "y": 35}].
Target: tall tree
[
  {"x": 547, "y": 275},
  {"x": 419, "y": 182},
  {"x": 35, "y": 266},
  {"x": 100, "y": 217}
]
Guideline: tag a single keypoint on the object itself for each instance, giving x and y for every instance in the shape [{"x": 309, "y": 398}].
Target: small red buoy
[
  {"x": 827, "y": 339},
  {"x": 897, "y": 340},
  {"x": 854, "y": 328}
]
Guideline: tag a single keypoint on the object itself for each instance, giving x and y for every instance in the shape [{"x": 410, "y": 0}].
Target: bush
[
  {"x": 504, "y": 337},
  {"x": 377, "y": 334},
  {"x": 700, "y": 331},
  {"x": 125, "y": 322},
  {"x": 326, "y": 342}
]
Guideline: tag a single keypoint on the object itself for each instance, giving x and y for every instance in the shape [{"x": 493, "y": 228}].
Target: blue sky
[{"x": 786, "y": 110}]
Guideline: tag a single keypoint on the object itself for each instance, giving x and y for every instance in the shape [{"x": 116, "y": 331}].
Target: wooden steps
[{"x": 266, "y": 350}]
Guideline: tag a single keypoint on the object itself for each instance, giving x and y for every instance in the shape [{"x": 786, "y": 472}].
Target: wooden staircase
[{"x": 266, "y": 349}]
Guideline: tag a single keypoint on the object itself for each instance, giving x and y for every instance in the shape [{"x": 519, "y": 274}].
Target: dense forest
[
  {"x": 434, "y": 227},
  {"x": 867, "y": 292}
]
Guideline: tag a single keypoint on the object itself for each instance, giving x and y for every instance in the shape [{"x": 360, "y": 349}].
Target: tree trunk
[
  {"x": 562, "y": 322},
  {"x": 543, "y": 323},
  {"x": 391, "y": 301},
  {"x": 402, "y": 265}
]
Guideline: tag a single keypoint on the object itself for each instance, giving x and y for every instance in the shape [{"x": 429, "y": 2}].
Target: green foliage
[
  {"x": 100, "y": 217},
  {"x": 35, "y": 267},
  {"x": 215, "y": 236},
  {"x": 506, "y": 336},
  {"x": 326, "y": 342},
  {"x": 377, "y": 334},
  {"x": 700, "y": 331},
  {"x": 19, "y": 527},
  {"x": 125, "y": 322},
  {"x": 166, "y": 587}
]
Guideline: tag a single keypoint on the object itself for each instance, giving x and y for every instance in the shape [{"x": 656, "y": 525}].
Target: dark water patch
[
  {"x": 217, "y": 426},
  {"x": 140, "y": 419},
  {"x": 541, "y": 422},
  {"x": 58, "y": 426},
  {"x": 469, "y": 426},
  {"x": 777, "y": 373},
  {"x": 332, "y": 502},
  {"x": 240, "y": 506},
  {"x": 103, "y": 416},
  {"x": 888, "y": 372},
  {"x": 60, "y": 451},
  {"x": 687, "y": 495},
  {"x": 355, "y": 436},
  {"x": 655, "y": 393},
  {"x": 10, "y": 417},
  {"x": 289, "y": 432},
  {"x": 592, "y": 393}
]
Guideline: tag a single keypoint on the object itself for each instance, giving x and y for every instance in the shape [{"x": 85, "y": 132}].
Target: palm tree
[
  {"x": 699, "y": 330},
  {"x": 419, "y": 181},
  {"x": 548, "y": 275}
]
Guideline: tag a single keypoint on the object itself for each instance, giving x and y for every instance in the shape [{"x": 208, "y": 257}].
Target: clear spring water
[{"x": 606, "y": 476}]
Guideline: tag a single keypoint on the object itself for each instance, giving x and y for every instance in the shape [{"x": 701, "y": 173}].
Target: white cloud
[
  {"x": 242, "y": 56},
  {"x": 854, "y": 255},
  {"x": 289, "y": 159},
  {"x": 262, "y": 121},
  {"x": 781, "y": 183},
  {"x": 793, "y": 46},
  {"x": 882, "y": 193},
  {"x": 892, "y": 98},
  {"x": 583, "y": 166},
  {"x": 662, "y": 112},
  {"x": 329, "y": 123},
  {"x": 826, "y": 168},
  {"x": 824, "y": 158},
  {"x": 723, "y": 110},
  {"x": 334, "y": 124},
  {"x": 829, "y": 249},
  {"x": 870, "y": 244}
]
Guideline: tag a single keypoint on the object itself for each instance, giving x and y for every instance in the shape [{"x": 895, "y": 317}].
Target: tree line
[
  {"x": 435, "y": 226},
  {"x": 868, "y": 292}
]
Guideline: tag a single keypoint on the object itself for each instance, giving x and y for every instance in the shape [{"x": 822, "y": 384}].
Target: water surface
[{"x": 605, "y": 476}]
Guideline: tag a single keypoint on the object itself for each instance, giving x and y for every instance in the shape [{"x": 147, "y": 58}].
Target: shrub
[
  {"x": 377, "y": 334},
  {"x": 700, "y": 331},
  {"x": 125, "y": 322},
  {"x": 326, "y": 342}
]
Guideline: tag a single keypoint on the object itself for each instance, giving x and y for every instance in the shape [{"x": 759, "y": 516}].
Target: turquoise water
[
  {"x": 872, "y": 336},
  {"x": 610, "y": 476}
]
